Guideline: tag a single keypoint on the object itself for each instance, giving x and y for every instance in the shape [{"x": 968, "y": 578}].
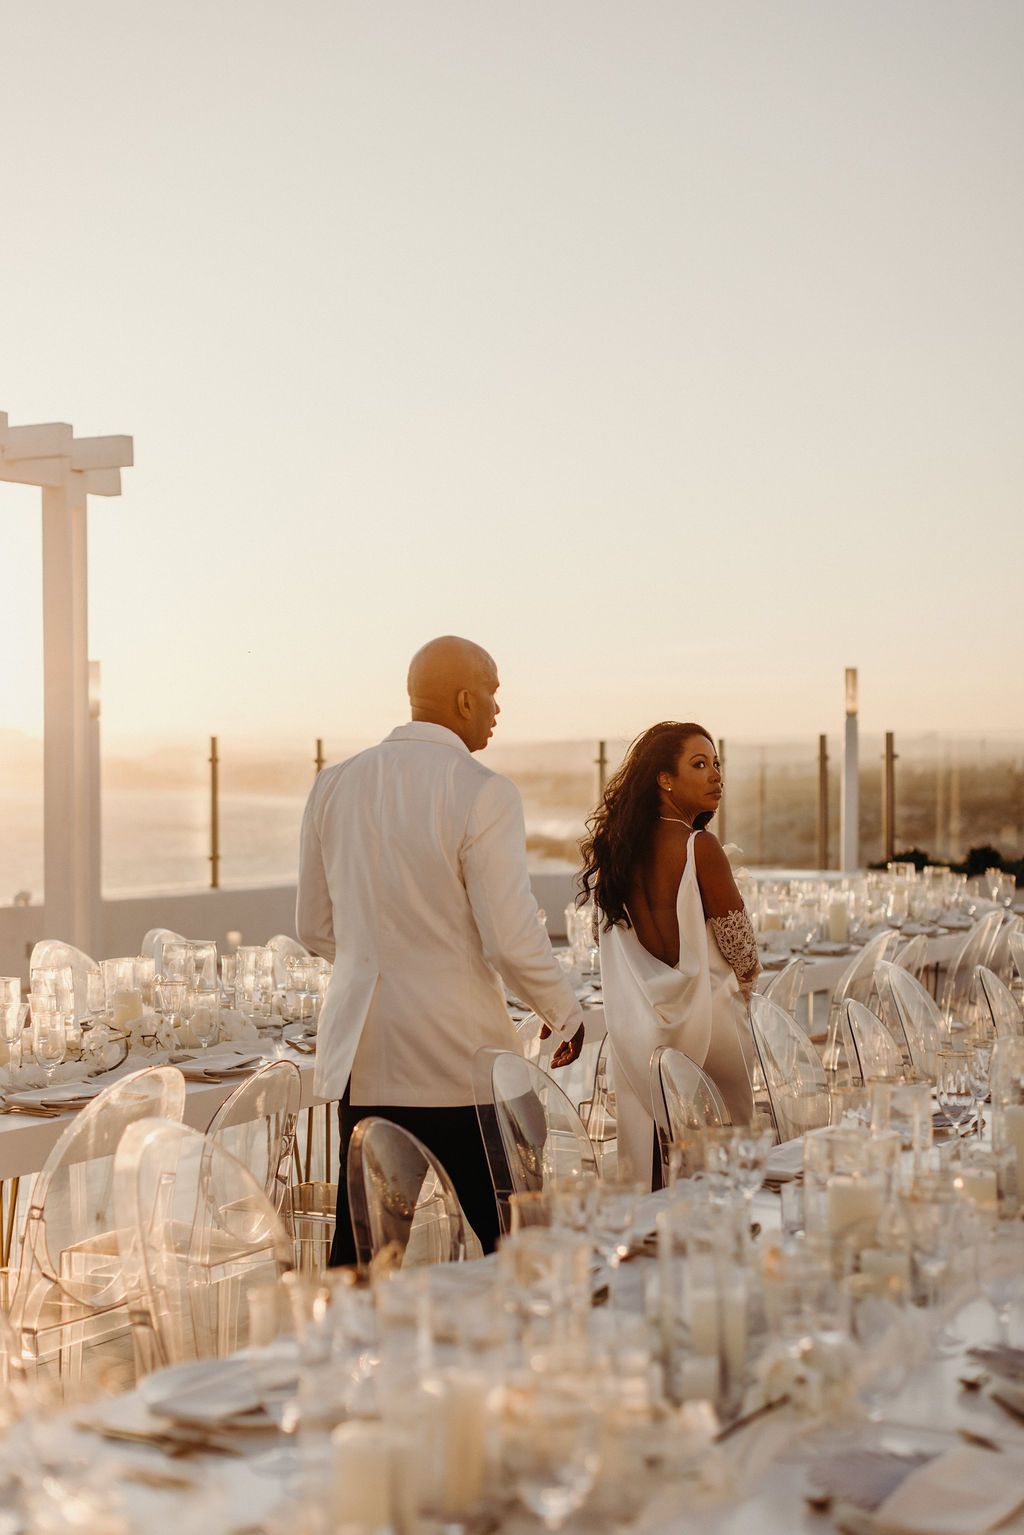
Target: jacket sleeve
[
  {"x": 493, "y": 858},
  {"x": 314, "y": 911}
]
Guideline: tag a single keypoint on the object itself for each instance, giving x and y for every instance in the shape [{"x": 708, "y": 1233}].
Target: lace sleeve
[{"x": 738, "y": 944}]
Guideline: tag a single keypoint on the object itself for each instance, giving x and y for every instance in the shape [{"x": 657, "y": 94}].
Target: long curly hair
[{"x": 620, "y": 830}]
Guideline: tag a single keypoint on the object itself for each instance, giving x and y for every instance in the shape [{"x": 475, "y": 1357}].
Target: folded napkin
[
  {"x": 784, "y": 1162},
  {"x": 965, "y": 1492},
  {"x": 209, "y": 1390},
  {"x": 225, "y": 1063},
  {"x": 62, "y": 1095}
]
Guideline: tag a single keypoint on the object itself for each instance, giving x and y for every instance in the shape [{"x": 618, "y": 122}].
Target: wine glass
[
  {"x": 203, "y": 1008},
  {"x": 12, "y": 1017},
  {"x": 750, "y": 1150},
  {"x": 1000, "y": 1256},
  {"x": 954, "y": 1085},
  {"x": 550, "y": 1443},
  {"x": 49, "y": 1035},
  {"x": 980, "y": 1068},
  {"x": 613, "y": 1219},
  {"x": 880, "y": 1328}
]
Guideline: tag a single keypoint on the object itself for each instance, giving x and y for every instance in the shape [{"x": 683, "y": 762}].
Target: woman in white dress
[{"x": 678, "y": 953}]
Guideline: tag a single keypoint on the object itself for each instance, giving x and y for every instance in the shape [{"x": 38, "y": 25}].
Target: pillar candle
[
  {"x": 852, "y": 1201},
  {"x": 127, "y": 1007}
]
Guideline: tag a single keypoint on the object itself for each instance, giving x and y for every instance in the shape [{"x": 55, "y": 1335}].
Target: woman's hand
[{"x": 568, "y": 1050}]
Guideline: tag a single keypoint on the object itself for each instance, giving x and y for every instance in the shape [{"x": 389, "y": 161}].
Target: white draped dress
[{"x": 694, "y": 1006}]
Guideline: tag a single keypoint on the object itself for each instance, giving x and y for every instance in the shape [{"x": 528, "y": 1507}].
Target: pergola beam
[{"x": 67, "y": 470}]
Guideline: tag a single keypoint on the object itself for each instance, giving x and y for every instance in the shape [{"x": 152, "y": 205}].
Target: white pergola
[{"x": 67, "y": 469}]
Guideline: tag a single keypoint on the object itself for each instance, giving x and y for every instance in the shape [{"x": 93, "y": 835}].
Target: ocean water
[{"x": 159, "y": 840}]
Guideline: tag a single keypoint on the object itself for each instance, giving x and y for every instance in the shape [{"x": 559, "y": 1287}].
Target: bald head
[{"x": 452, "y": 682}]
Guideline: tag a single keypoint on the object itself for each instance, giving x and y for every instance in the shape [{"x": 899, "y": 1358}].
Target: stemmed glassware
[
  {"x": 551, "y": 1440},
  {"x": 1000, "y": 1256},
  {"x": 954, "y": 1085},
  {"x": 980, "y": 1068},
  {"x": 12, "y": 1017},
  {"x": 613, "y": 1219},
  {"x": 49, "y": 1035}
]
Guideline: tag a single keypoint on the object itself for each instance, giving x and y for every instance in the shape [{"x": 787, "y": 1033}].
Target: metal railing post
[
  {"x": 319, "y": 760},
  {"x": 214, "y": 817},
  {"x": 889, "y": 799},
  {"x": 822, "y": 840},
  {"x": 601, "y": 763},
  {"x": 721, "y": 802}
]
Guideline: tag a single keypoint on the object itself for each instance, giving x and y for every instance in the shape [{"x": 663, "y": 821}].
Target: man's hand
[{"x": 568, "y": 1050}]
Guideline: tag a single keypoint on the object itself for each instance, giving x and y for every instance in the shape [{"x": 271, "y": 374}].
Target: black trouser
[{"x": 453, "y": 1135}]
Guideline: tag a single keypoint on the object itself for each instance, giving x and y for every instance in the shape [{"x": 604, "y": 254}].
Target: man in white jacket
[{"x": 413, "y": 883}]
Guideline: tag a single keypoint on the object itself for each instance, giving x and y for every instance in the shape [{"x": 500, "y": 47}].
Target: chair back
[
  {"x": 70, "y": 1240},
  {"x": 1015, "y": 943},
  {"x": 1001, "y": 1004},
  {"x": 200, "y": 1233},
  {"x": 86, "y": 976},
  {"x": 257, "y": 1125},
  {"x": 877, "y": 1054},
  {"x": 912, "y": 955},
  {"x": 684, "y": 1099},
  {"x": 794, "y": 1076},
  {"x": 1001, "y": 958},
  {"x": 784, "y": 987},
  {"x": 529, "y": 1127},
  {"x": 400, "y": 1197},
  {"x": 977, "y": 945},
  {"x": 858, "y": 979},
  {"x": 912, "y": 1011}
]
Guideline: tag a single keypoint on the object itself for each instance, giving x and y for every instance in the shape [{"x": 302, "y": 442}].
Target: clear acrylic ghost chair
[
  {"x": 912, "y": 955},
  {"x": 1001, "y": 958},
  {"x": 877, "y": 1054},
  {"x": 72, "y": 1289},
  {"x": 957, "y": 1001},
  {"x": 784, "y": 987},
  {"x": 910, "y": 1009},
  {"x": 153, "y": 944},
  {"x": 257, "y": 1125},
  {"x": 401, "y": 1199},
  {"x": 529, "y": 1127},
  {"x": 857, "y": 982},
  {"x": 1015, "y": 941},
  {"x": 684, "y": 1099},
  {"x": 197, "y": 1235},
  {"x": 599, "y": 1112},
  {"x": 1000, "y": 1003},
  {"x": 86, "y": 976},
  {"x": 283, "y": 949},
  {"x": 795, "y": 1078}
]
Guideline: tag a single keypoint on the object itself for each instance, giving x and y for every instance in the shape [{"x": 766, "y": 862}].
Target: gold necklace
[{"x": 677, "y": 818}]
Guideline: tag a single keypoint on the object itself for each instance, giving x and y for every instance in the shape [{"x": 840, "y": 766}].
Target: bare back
[
  {"x": 654, "y": 888},
  {"x": 653, "y": 892}
]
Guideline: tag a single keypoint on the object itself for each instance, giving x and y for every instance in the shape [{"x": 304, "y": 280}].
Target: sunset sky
[{"x": 673, "y": 351}]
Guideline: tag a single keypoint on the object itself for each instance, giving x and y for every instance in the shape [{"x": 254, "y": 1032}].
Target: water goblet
[
  {"x": 49, "y": 1035},
  {"x": 550, "y": 1443},
  {"x": 980, "y": 1069},
  {"x": 1000, "y": 1257},
  {"x": 613, "y": 1219},
  {"x": 12, "y": 1017},
  {"x": 170, "y": 1000},
  {"x": 954, "y": 1087},
  {"x": 203, "y": 1007}
]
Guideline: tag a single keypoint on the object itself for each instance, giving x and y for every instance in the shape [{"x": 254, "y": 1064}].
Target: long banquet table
[{"x": 759, "y": 1486}]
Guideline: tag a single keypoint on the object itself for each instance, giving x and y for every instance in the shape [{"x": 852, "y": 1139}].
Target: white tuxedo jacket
[{"x": 413, "y": 882}]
